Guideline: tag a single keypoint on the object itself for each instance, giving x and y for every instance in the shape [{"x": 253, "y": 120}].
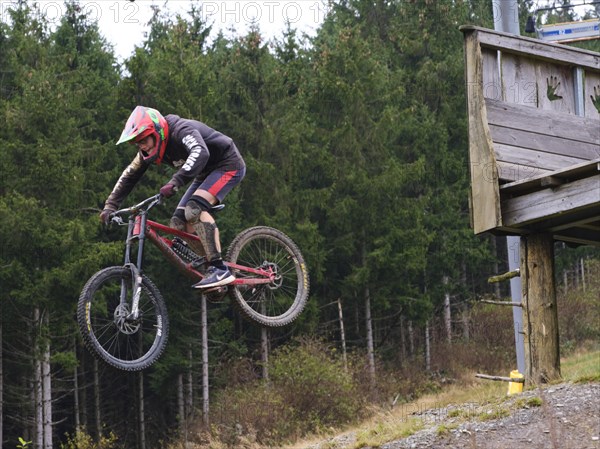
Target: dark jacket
[{"x": 194, "y": 148}]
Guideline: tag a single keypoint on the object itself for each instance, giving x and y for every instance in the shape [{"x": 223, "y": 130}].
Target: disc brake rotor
[
  {"x": 277, "y": 278},
  {"x": 125, "y": 325}
]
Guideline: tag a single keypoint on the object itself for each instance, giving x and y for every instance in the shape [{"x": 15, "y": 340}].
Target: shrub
[
  {"x": 579, "y": 314},
  {"x": 254, "y": 412},
  {"x": 82, "y": 440},
  {"x": 315, "y": 385},
  {"x": 309, "y": 389}
]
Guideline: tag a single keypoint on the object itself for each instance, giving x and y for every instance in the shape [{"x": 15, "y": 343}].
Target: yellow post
[{"x": 515, "y": 387}]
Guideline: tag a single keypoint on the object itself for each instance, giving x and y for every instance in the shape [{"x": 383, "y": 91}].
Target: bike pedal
[
  {"x": 215, "y": 294},
  {"x": 218, "y": 289}
]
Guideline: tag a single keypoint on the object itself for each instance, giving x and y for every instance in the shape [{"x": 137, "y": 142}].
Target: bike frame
[{"x": 140, "y": 227}]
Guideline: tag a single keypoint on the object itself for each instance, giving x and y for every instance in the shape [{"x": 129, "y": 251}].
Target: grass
[
  {"x": 582, "y": 367},
  {"x": 494, "y": 413},
  {"x": 400, "y": 422},
  {"x": 392, "y": 427},
  {"x": 529, "y": 402},
  {"x": 388, "y": 425}
]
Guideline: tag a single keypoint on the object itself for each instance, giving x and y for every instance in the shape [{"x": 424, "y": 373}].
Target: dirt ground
[{"x": 562, "y": 416}]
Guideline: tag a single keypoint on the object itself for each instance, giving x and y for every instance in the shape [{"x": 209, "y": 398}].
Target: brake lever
[{"x": 116, "y": 219}]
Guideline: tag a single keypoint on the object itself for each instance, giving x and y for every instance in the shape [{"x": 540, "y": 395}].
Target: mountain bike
[{"x": 123, "y": 317}]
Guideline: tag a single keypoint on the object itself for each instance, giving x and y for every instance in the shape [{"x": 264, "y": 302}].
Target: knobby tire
[
  {"x": 129, "y": 345},
  {"x": 277, "y": 304}
]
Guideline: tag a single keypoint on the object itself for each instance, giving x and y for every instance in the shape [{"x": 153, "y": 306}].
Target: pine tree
[{"x": 53, "y": 112}]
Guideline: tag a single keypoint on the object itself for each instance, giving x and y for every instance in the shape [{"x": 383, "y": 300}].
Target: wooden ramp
[{"x": 534, "y": 136}]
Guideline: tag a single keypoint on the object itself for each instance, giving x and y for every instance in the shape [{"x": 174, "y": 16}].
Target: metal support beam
[
  {"x": 506, "y": 19},
  {"x": 578, "y": 88}
]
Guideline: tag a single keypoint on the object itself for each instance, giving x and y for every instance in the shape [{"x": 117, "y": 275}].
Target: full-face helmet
[{"x": 144, "y": 122}]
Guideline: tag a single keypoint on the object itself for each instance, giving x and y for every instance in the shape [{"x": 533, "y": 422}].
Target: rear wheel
[
  {"x": 108, "y": 329},
  {"x": 281, "y": 301}
]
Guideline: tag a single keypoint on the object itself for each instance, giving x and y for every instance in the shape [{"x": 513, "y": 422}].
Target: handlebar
[{"x": 145, "y": 205}]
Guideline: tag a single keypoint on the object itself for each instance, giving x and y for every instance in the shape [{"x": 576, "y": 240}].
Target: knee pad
[
  {"x": 177, "y": 222},
  {"x": 194, "y": 207}
]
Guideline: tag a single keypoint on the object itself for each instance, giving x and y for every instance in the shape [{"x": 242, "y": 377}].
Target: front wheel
[
  {"x": 108, "y": 328},
  {"x": 281, "y": 301}
]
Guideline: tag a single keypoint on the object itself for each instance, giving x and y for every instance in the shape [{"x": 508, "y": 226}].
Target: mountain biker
[{"x": 203, "y": 156}]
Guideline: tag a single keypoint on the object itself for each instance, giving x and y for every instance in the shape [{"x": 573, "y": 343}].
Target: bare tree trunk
[
  {"x": 181, "y": 406},
  {"x": 76, "y": 408},
  {"x": 447, "y": 312},
  {"x": 189, "y": 397},
  {"x": 540, "y": 308},
  {"x": 39, "y": 412},
  {"x": 402, "y": 340},
  {"x": 411, "y": 338},
  {"x": 368, "y": 320},
  {"x": 464, "y": 310},
  {"x": 47, "y": 384},
  {"x": 496, "y": 265},
  {"x": 427, "y": 348},
  {"x": 97, "y": 415},
  {"x": 264, "y": 346},
  {"x": 582, "y": 260},
  {"x": 342, "y": 334},
  {"x": 465, "y": 321},
  {"x": 370, "y": 344},
  {"x": 356, "y": 321},
  {"x": 38, "y": 384},
  {"x": 84, "y": 397},
  {"x": 1, "y": 386},
  {"x": 205, "y": 390},
  {"x": 142, "y": 411}
]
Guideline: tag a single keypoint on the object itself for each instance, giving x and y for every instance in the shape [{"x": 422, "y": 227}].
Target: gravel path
[{"x": 563, "y": 416}]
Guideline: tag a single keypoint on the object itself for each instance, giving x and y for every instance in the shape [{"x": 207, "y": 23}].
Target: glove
[
  {"x": 168, "y": 190},
  {"x": 105, "y": 216}
]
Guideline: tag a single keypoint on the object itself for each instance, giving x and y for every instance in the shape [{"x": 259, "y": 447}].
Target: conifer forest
[{"x": 356, "y": 146}]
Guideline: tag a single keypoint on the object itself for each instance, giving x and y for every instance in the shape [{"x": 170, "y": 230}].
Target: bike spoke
[
  {"x": 271, "y": 300},
  {"x": 123, "y": 339}
]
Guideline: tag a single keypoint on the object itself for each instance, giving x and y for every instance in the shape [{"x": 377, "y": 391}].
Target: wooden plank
[
  {"x": 569, "y": 227},
  {"x": 579, "y": 171},
  {"x": 591, "y": 94},
  {"x": 510, "y": 171},
  {"x": 547, "y": 203},
  {"x": 485, "y": 194},
  {"x": 492, "y": 86},
  {"x": 542, "y": 142},
  {"x": 589, "y": 222},
  {"x": 533, "y": 47},
  {"x": 533, "y": 158},
  {"x": 579, "y": 236},
  {"x": 578, "y": 129},
  {"x": 556, "y": 87},
  {"x": 518, "y": 80}
]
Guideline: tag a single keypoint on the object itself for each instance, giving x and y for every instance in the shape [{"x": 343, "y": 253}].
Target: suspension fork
[{"x": 136, "y": 229}]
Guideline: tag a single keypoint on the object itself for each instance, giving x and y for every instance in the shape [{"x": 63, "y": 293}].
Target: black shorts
[{"x": 218, "y": 183}]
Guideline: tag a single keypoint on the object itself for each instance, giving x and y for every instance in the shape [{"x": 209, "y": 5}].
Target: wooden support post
[{"x": 539, "y": 309}]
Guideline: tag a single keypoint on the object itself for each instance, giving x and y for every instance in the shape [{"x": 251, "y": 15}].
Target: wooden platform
[{"x": 534, "y": 136}]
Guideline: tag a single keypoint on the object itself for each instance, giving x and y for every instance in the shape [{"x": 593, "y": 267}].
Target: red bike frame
[{"x": 140, "y": 227}]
